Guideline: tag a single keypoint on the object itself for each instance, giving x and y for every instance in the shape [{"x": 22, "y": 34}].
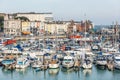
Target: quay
[{"x": 39, "y": 37}]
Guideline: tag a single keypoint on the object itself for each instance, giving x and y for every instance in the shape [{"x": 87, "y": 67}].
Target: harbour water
[{"x": 59, "y": 74}]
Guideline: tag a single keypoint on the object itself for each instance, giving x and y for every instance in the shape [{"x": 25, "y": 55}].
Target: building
[
  {"x": 25, "y": 27},
  {"x": 32, "y": 16},
  {"x": 85, "y": 26},
  {"x": 38, "y": 28},
  {"x": 12, "y": 27},
  {"x": 31, "y": 27},
  {"x": 56, "y": 27},
  {"x": 25, "y": 23}
]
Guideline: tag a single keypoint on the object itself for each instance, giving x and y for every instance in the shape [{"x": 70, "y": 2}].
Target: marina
[
  {"x": 33, "y": 46},
  {"x": 60, "y": 59}
]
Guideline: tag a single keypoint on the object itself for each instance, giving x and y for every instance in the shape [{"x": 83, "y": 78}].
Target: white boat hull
[
  {"x": 101, "y": 63},
  {"x": 53, "y": 66},
  {"x": 117, "y": 65},
  {"x": 21, "y": 66},
  {"x": 67, "y": 66},
  {"x": 87, "y": 66},
  {"x": 68, "y": 62},
  {"x": 36, "y": 66}
]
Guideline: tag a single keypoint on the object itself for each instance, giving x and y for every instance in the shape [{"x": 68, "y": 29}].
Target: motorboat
[
  {"x": 117, "y": 62},
  {"x": 37, "y": 64},
  {"x": 7, "y": 62},
  {"x": 101, "y": 61},
  {"x": 68, "y": 62},
  {"x": 22, "y": 63}
]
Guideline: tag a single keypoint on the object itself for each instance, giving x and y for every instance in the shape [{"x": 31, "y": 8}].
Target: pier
[{"x": 39, "y": 37}]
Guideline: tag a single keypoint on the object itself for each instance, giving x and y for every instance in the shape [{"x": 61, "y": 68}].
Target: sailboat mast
[
  {"x": 85, "y": 29},
  {"x": 55, "y": 38}
]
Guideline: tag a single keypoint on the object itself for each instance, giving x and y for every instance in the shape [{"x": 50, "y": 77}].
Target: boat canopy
[
  {"x": 26, "y": 32},
  {"x": 68, "y": 57},
  {"x": 75, "y": 36},
  {"x": 47, "y": 54},
  {"x": 9, "y": 42}
]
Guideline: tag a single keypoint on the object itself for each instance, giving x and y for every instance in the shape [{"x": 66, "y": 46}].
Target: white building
[
  {"x": 12, "y": 27},
  {"x": 56, "y": 27},
  {"x": 37, "y": 16}
]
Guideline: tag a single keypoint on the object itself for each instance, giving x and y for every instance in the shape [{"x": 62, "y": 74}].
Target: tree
[
  {"x": 23, "y": 18},
  {"x": 1, "y": 23}
]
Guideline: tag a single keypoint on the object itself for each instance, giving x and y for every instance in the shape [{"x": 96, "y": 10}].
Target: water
[{"x": 59, "y": 74}]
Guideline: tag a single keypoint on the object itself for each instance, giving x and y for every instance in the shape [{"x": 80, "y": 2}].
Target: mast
[
  {"x": 85, "y": 29},
  {"x": 56, "y": 38},
  {"x": 113, "y": 33},
  {"x": 116, "y": 33}
]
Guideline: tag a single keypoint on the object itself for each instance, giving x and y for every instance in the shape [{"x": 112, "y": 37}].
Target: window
[{"x": 48, "y": 18}]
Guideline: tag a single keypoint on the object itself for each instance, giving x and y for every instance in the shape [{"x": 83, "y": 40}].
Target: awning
[{"x": 26, "y": 32}]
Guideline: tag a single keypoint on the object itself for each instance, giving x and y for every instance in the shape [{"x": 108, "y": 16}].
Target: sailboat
[
  {"x": 77, "y": 65},
  {"x": 37, "y": 64},
  {"x": 87, "y": 63},
  {"x": 54, "y": 63}
]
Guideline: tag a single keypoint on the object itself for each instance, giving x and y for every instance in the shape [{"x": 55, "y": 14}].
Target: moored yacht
[
  {"x": 37, "y": 64},
  {"x": 22, "y": 63},
  {"x": 101, "y": 61},
  {"x": 54, "y": 63},
  {"x": 8, "y": 62},
  {"x": 117, "y": 62},
  {"x": 68, "y": 62},
  {"x": 87, "y": 64}
]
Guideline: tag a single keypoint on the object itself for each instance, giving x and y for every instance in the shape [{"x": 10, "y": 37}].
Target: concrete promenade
[{"x": 39, "y": 37}]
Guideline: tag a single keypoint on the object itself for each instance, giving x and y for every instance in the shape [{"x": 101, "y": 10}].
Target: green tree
[
  {"x": 23, "y": 18},
  {"x": 1, "y": 23}
]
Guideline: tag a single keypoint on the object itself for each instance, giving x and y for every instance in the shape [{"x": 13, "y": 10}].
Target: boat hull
[
  {"x": 67, "y": 66},
  {"x": 116, "y": 66},
  {"x": 21, "y": 66},
  {"x": 53, "y": 66},
  {"x": 87, "y": 66},
  {"x": 7, "y": 63}
]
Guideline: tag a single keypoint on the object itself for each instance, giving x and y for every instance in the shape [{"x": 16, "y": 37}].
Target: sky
[{"x": 100, "y": 12}]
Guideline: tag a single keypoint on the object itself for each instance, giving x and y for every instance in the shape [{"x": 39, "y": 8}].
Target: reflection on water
[
  {"x": 59, "y": 74},
  {"x": 6, "y": 71},
  {"x": 87, "y": 72},
  {"x": 21, "y": 71},
  {"x": 101, "y": 67},
  {"x": 66, "y": 70}
]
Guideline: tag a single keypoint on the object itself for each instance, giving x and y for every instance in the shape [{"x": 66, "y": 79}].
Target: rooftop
[{"x": 33, "y": 13}]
